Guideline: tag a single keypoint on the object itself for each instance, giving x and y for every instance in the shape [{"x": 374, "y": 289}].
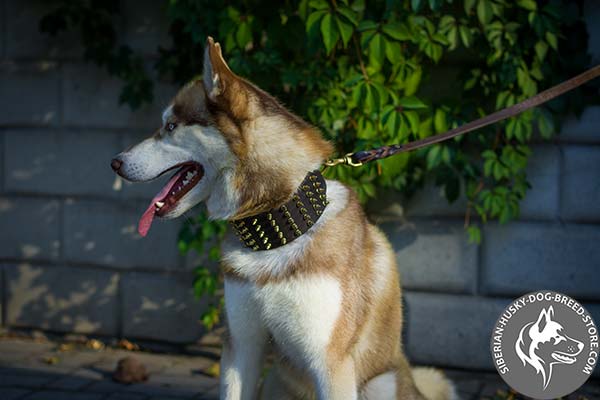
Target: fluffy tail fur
[{"x": 433, "y": 384}]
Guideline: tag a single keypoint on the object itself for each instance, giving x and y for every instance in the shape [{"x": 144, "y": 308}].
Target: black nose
[{"x": 116, "y": 164}]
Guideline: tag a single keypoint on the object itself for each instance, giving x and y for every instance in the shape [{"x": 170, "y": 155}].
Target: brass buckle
[{"x": 346, "y": 160}]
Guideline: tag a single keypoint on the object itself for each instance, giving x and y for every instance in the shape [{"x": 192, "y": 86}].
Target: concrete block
[
  {"x": 66, "y": 163},
  {"x": 428, "y": 201},
  {"x": 161, "y": 307},
  {"x": 29, "y": 93},
  {"x": 145, "y": 26},
  {"x": 449, "y": 330},
  {"x": 24, "y": 40},
  {"x": 580, "y": 188},
  {"x": 591, "y": 15},
  {"x": 434, "y": 255},
  {"x": 586, "y": 128},
  {"x": 29, "y": 228},
  {"x": 106, "y": 233},
  {"x": 522, "y": 257},
  {"x": 1, "y": 161},
  {"x": 91, "y": 98},
  {"x": 66, "y": 299},
  {"x": 2, "y": 295},
  {"x": 2, "y": 30},
  {"x": 543, "y": 173}
]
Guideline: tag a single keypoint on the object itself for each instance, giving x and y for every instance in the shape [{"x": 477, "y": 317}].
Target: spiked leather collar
[{"x": 279, "y": 226}]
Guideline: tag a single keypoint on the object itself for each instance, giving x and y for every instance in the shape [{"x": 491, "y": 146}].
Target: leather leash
[{"x": 361, "y": 157}]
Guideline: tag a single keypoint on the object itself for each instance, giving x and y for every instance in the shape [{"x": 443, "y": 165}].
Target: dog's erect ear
[
  {"x": 544, "y": 318},
  {"x": 216, "y": 74}
]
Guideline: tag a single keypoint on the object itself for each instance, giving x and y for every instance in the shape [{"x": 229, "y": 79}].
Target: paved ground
[{"x": 45, "y": 370}]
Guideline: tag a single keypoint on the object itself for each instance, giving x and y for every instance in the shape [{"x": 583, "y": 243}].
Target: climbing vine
[{"x": 369, "y": 74}]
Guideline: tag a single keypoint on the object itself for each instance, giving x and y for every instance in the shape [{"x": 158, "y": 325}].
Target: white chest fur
[{"x": 299, "y": 313}]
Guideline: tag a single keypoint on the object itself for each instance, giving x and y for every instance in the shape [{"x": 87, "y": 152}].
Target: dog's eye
[{"x": 170, "y": 126}]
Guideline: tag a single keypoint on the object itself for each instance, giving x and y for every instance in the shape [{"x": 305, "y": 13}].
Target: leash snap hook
[{"x": 346, "y": 160}]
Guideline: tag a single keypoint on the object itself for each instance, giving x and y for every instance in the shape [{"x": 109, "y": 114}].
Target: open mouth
[
  {"x": 184, "y": 180},
  {"x": 563, "y": 358}
]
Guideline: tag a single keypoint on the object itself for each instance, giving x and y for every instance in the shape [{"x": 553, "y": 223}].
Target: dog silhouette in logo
[{"x": 544, "y": 343}]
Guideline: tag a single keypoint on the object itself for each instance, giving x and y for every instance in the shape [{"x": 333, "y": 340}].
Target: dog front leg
[
  {"x": 243, "y": 352},
  {"x": 337, "y": 381}
]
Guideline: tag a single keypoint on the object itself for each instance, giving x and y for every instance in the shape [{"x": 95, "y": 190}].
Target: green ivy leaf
[
  {"x": 397, "y": 31},
  {"x": 411, "y": 102},
  {"x": 345, "y": 29},
  {"x": 416, "y": 4},
  {"x": 377, "y": 51},
  {"x": 530, "y": 5},
  {"x": 313, "y": 19},
  {"x": 411, "y": 85},
  {"x": 414, "y": 120},
  {"x": 546, "y": 124},
  {"x": 474, "y": 234},
  {"x": 469, "y": 4},
  {"x": 349, "y": 14},
  {"x": 439, "y": 121},
  {"x": 552, "y": 41},
  {"x": 541, "y": 48},
  {"x": 329, "y": 32},
  {"x": 243, "y": 35},
  {"x": 465, "y": 35},
  {"x": 485, "y": 11}
]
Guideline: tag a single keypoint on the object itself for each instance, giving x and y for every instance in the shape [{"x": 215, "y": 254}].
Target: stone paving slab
[{"x": 85, "y": 374}]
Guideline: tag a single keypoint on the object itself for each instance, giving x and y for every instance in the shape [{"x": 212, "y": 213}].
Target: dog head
[
  {"x": 232, "y": 145},
  {"x": 544, "y": 343}
]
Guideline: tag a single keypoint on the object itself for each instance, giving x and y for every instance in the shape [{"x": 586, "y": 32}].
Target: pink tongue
[{"x": 148, "y": 216}]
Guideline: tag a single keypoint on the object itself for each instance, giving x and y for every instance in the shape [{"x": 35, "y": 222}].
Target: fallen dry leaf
[
  {"x": 214, "y": 370},
  {"x": 51, "y": 360},
  {"x": 94, "y": 344},
  {"x": 127, "y": 345},
  {"x": 66, "y": 347}
]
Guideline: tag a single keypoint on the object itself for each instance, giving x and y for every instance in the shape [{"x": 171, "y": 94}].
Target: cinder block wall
[{"x": 72, "y": 262}]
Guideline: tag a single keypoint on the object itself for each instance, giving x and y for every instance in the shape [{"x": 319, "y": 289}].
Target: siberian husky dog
[
  {"x": 328, "y": 300},
  {"x": 543, "y": 344}
]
